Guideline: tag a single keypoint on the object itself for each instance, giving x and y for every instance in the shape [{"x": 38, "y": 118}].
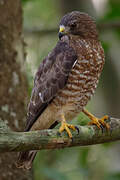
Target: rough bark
[
  {"x": 50, "y": 139},
  {"x": 13, "y": 83}
]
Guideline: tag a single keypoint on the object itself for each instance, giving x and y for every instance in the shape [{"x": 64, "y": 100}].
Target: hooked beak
[{"x": 61, "y": 31}]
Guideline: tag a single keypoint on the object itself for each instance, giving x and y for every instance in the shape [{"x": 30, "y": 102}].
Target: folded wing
[{"x": 50, "y": 78}]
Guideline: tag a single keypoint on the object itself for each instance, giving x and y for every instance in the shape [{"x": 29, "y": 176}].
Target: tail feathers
[{"x": 25, "y": 159}]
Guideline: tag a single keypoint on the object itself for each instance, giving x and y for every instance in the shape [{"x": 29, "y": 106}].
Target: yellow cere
[{"x": 62, "y": 28}]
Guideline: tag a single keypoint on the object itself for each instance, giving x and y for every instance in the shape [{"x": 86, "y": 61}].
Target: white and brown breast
[{"x": 83, "y": 78}]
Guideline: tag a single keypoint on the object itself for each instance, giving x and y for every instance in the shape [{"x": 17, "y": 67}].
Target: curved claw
[
  {"x": 100, "y": 123},
  {"x": 77, "y": 129},
  {"x": 103, "y": 123},
  {"x": 102, "y": 128},
  {"x": 65, "y": 126}
]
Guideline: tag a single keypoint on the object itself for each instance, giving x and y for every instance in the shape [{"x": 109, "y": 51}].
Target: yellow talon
[
  {"x": 96, "y": 121},
  {"x": 102, "y": 121},
  {"x": 65, "y": 126}
]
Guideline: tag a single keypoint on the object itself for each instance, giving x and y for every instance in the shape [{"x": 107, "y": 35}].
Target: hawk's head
[{"x": 78, "y": 24}]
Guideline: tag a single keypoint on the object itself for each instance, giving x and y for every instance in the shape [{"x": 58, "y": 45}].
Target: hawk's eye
[{"x": 73, "y": 25}]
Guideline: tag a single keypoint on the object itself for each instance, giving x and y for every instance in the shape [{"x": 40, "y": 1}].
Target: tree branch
[{"x": 50, "y": 139}]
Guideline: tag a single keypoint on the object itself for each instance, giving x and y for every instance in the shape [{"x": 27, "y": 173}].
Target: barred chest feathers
[{"x": 83, "y": 78}]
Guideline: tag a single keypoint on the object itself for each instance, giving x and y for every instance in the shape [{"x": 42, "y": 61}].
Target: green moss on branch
[{"x": 50, "y": 139}]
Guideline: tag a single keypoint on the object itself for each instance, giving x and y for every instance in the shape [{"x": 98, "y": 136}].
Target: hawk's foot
[
  {"x": 100, "y": 123},
  {"x": 65, "y": 126}
]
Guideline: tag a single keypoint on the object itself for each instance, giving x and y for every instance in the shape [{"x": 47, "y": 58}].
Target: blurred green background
[{"x": 41, "y": 21}]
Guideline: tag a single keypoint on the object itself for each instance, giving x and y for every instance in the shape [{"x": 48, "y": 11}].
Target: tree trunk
[{"x": 13, "y": 83}]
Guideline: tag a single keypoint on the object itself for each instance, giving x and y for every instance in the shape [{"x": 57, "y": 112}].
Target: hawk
[{"x": 66, "y": 80}]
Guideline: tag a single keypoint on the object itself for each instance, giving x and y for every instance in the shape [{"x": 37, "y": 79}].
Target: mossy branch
[{"x": 50, "y": 139}]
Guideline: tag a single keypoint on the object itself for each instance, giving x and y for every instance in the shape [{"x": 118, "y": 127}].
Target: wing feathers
[{"x": 51, "y": 76}]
